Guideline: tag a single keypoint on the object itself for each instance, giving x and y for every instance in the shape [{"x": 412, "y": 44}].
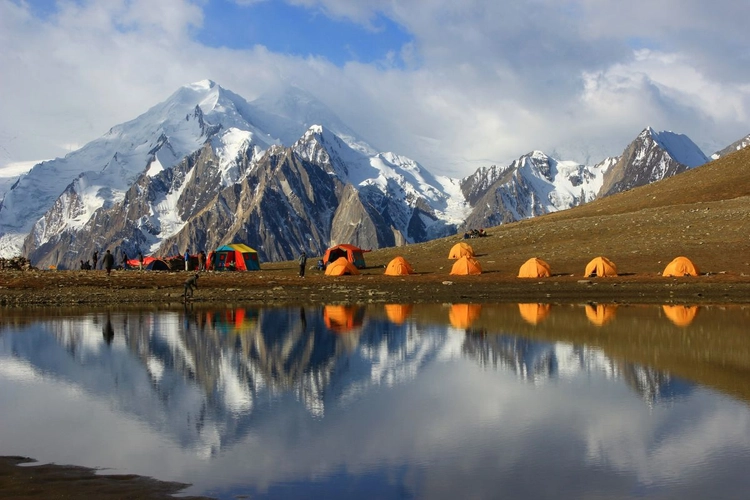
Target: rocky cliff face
[{"x": 649, "y": 158}]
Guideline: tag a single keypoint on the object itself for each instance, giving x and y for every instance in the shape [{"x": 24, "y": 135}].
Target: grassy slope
[{"x": 703, "y": 214}]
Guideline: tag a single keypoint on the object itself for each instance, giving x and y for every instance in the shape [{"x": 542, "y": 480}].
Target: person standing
[
  {"x": 124, "y": 261},
  {"x": 140, "y": 261},
  {"x": 201, "y": 260},
  {"x": 187, "y": 260},
  {"x": 108, "y": 262},
  {"x": 95, "y": 258},
  {"x": 302, "y": 263}
]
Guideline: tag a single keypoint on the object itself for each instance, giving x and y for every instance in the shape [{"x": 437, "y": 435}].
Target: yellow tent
[
  {"x": 466, "y": 265},
  {"x": 534, "y": 313},
  {"x": 600, "y": 266},
  {"x": 534, "y": 268},
  {"x": 463, "y": 315},
  {"x": 340, "y": 267},
  {"x": 397, "y": 313},
  {"x": 398, "y": 267},
  {"x": 460, "y": 250},
  {"x": 600, "y": 314},
  {"x": 681, "y": 266},
  {"x": 680, "y": 315}
]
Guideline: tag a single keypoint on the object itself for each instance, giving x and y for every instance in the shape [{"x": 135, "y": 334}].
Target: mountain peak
[{"x": 202, "y": 85}]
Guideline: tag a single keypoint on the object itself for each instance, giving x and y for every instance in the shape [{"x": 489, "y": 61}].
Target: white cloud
[{"x": 480, "y": 82}]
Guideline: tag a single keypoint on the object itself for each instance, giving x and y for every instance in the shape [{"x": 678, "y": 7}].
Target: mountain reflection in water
[{"x": 205, "y": 380}]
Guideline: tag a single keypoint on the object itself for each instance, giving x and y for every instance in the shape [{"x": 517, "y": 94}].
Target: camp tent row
[{"x": 602, "y": 267}]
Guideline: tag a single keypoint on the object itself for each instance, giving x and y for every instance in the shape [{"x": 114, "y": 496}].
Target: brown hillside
[{"x": 703, "y": 214}]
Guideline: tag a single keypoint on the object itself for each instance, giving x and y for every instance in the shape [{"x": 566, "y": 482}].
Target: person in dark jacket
[
  {"x": 95, "y": 258},
  {"x": 302, "y": 262},
  {"x": 190, "y": 283},
  {"x": 108, "y": 261}
]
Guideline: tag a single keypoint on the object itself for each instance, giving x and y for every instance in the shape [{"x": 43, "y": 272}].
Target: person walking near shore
[
  {"x": 108, "y": 262},
  {"x": 302, "y": 263},
  {"x": 190, "y": 283}
]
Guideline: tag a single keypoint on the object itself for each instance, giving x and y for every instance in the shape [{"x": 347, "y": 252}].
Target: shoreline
[{"x": 281, "y": 286}]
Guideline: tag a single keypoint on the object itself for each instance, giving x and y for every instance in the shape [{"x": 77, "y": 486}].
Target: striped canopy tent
[{"x": 235, "y": 257}]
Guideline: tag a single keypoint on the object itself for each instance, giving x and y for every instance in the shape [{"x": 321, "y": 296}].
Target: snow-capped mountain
[
  {"x": 735, "y": 146},
  {"x": 537, "y": 184},
  {"x": 283, "y": 174},
  {"x": 205, "y": 170},
  {"x": 533, "y": 185},
  {"x": 651, "y": 157}
]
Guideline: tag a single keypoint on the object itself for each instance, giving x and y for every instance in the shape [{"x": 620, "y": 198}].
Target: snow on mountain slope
[
  {"x": 401, "y": 179},
  {"x": 735, "y": 146},
  {"x": 102, "y": 170},
  {"x": 533, "y": 185},
  {"x": 680, "y": 147}
]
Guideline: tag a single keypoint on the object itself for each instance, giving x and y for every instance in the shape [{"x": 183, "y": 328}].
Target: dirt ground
[{"x": 277, "y": 285}]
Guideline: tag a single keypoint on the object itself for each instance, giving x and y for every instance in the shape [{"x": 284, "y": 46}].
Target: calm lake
[{"x": 397, "y": 401}]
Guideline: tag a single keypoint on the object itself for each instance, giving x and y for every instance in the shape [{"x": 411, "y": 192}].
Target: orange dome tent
[
  {"x": 534, "y": 268},
  {"x": 534, "y": 313},
  {"x": 599, "y": 314},
  {"x": 353, "y": 254},
  {"x": 397, "y": 313},
  {"x": 341, "y": 266},
  {"x": 398, "y": 267},
  {"x": 466, "y": 265},
  {"x": 600, "y": 266},
  {"x": 681, "y": 266},
  {"x": 460, "y": 250},
  {"x": 680, "y": 315},
  {"x": 463, "y": 315}
]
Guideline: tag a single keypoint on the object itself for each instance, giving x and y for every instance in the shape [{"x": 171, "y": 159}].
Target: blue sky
[
  {"x": 298, "y": 31},
  {"x": 452, "y": 85}
]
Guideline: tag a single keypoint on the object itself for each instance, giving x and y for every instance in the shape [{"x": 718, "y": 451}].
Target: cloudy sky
[{"x": 453, "y": 85}]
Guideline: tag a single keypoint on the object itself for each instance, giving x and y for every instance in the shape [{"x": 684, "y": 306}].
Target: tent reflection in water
[
  {"x": 461, "y": 250},
  {"x": 237, "y": 320},
  {"x": 680, "y": 315},
  {"x": 534, "y": 268},
  {"x": 681, "y": 266},
  {"x": 601, "y": 267},
  {"x": 340, "y": 267},
  {"x": 398, "y": 313},
  {"x": 534, "y": 313},
  {"x": 599, "y": 314},
  {"x": 463, "y": 315},
  {"x": 343, "y": 319},
  {"x": 398, "y": 267},
  {"x": 235, "y": 257},
  {"x": 466, "y": 266}
]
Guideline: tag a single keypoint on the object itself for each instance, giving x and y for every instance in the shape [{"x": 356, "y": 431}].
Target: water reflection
[
  {"x": 534, "y": 313},
  {"x": 318, "y": 391},
  {"x": 464, "y": 315},
  {"x": 680, "y": 315},
  {"x": 599, "y": 314}
]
